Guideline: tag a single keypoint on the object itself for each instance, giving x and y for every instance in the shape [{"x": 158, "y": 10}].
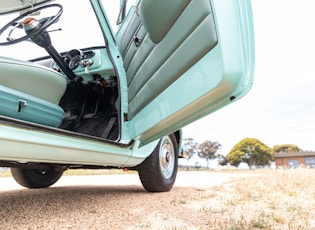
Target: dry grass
[
  {"x": 272, "y": 199},
  {"x": 260, "y": 199}
]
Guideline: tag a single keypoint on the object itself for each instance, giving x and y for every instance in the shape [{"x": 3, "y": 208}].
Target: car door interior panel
[
  {"x": 159, "y": 16},
  {"x": 155, "y": 56}
]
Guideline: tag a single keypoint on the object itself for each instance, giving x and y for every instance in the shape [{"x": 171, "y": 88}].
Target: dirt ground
[
  {"x": 199, "y": 200},
  {"x": 105, "y": 202}
]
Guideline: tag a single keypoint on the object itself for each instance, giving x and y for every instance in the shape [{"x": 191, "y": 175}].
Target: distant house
[{"x": 294, "y": 159}]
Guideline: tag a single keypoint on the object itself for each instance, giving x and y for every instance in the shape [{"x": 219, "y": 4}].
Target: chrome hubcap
[{"x": 166, "y": 157}]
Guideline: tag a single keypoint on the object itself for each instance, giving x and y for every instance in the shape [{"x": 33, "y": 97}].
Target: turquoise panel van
[{"x": 109, "y": 84}]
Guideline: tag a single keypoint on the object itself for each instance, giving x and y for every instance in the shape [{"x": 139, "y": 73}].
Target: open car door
[{"x": 183, "y": 60}]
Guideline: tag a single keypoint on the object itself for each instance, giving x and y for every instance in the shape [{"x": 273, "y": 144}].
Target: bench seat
[
  {"x": 31, "y": 92},
  {"x": 33, "y": 79}
]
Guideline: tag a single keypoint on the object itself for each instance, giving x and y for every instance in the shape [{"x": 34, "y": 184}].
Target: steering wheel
[{"x": 45, "y": 25}]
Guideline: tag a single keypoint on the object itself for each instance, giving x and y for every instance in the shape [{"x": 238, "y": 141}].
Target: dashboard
[
  {"x": 75, "y": 58},
  {"x": 84, "y": 63}
]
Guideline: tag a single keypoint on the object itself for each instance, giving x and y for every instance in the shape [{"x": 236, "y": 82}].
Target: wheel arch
[{"x": 179, "y": 137}]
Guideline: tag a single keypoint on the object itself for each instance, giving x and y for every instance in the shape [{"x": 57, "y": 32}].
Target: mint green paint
[
  {"x": 33, "y": 79},
  {"x": 22, "y": 106},
  {"x": 201, "y": 90},
  {"x": 210, "y": 83},
  {"x": 116, "y": 57},
  {"x": 36, "y": 146}
]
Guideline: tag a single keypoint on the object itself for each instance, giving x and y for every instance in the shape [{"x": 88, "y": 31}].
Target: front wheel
[
  {"x": 158, "y": 172},
  {"x": 36, "y": 178}
]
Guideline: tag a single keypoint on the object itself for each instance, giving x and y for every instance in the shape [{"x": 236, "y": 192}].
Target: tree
[
  {"x": 208, "y": 149},
  {"x": 250, "y": 150},
  {"x": 286, "y": 148},
  {"x": 222, "y": 159},
  {"x": 190, "y": 147}
]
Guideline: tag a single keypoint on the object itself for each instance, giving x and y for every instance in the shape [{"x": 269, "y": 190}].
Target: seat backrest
[
  {"x": 32, "y": 79},
  {"x": 161, "y": 42}
]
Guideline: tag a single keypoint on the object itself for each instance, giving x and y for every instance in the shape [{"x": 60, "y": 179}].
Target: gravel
[{"x": 107, "y": 202}]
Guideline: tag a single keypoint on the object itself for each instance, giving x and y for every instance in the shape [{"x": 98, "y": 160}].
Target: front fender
[{"x": 141, "y": 152}]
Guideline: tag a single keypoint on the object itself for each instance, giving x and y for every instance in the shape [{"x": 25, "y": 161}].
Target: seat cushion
[
  {"x": 22, "y": 106},
  {"x": 32, "y": 79}
]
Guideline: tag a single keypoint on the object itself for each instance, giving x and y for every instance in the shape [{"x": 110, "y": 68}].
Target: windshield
[{"x": 77, "y": 28}]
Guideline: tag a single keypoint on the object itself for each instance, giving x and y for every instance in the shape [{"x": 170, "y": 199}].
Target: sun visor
[
  {"x": 17, "y": 5},
  {"x": 158, "y": 16}
]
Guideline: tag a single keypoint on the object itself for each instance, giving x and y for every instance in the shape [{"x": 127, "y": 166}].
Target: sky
[{"x": 280, "y": 107}]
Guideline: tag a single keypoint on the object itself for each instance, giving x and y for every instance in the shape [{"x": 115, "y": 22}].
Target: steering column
[
  {"x": 36, "y": 31},
  {"x": 43, "y": 40}
]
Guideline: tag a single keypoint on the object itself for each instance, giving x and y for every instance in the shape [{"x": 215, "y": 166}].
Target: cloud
[{"x": 280, "y": 107}]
